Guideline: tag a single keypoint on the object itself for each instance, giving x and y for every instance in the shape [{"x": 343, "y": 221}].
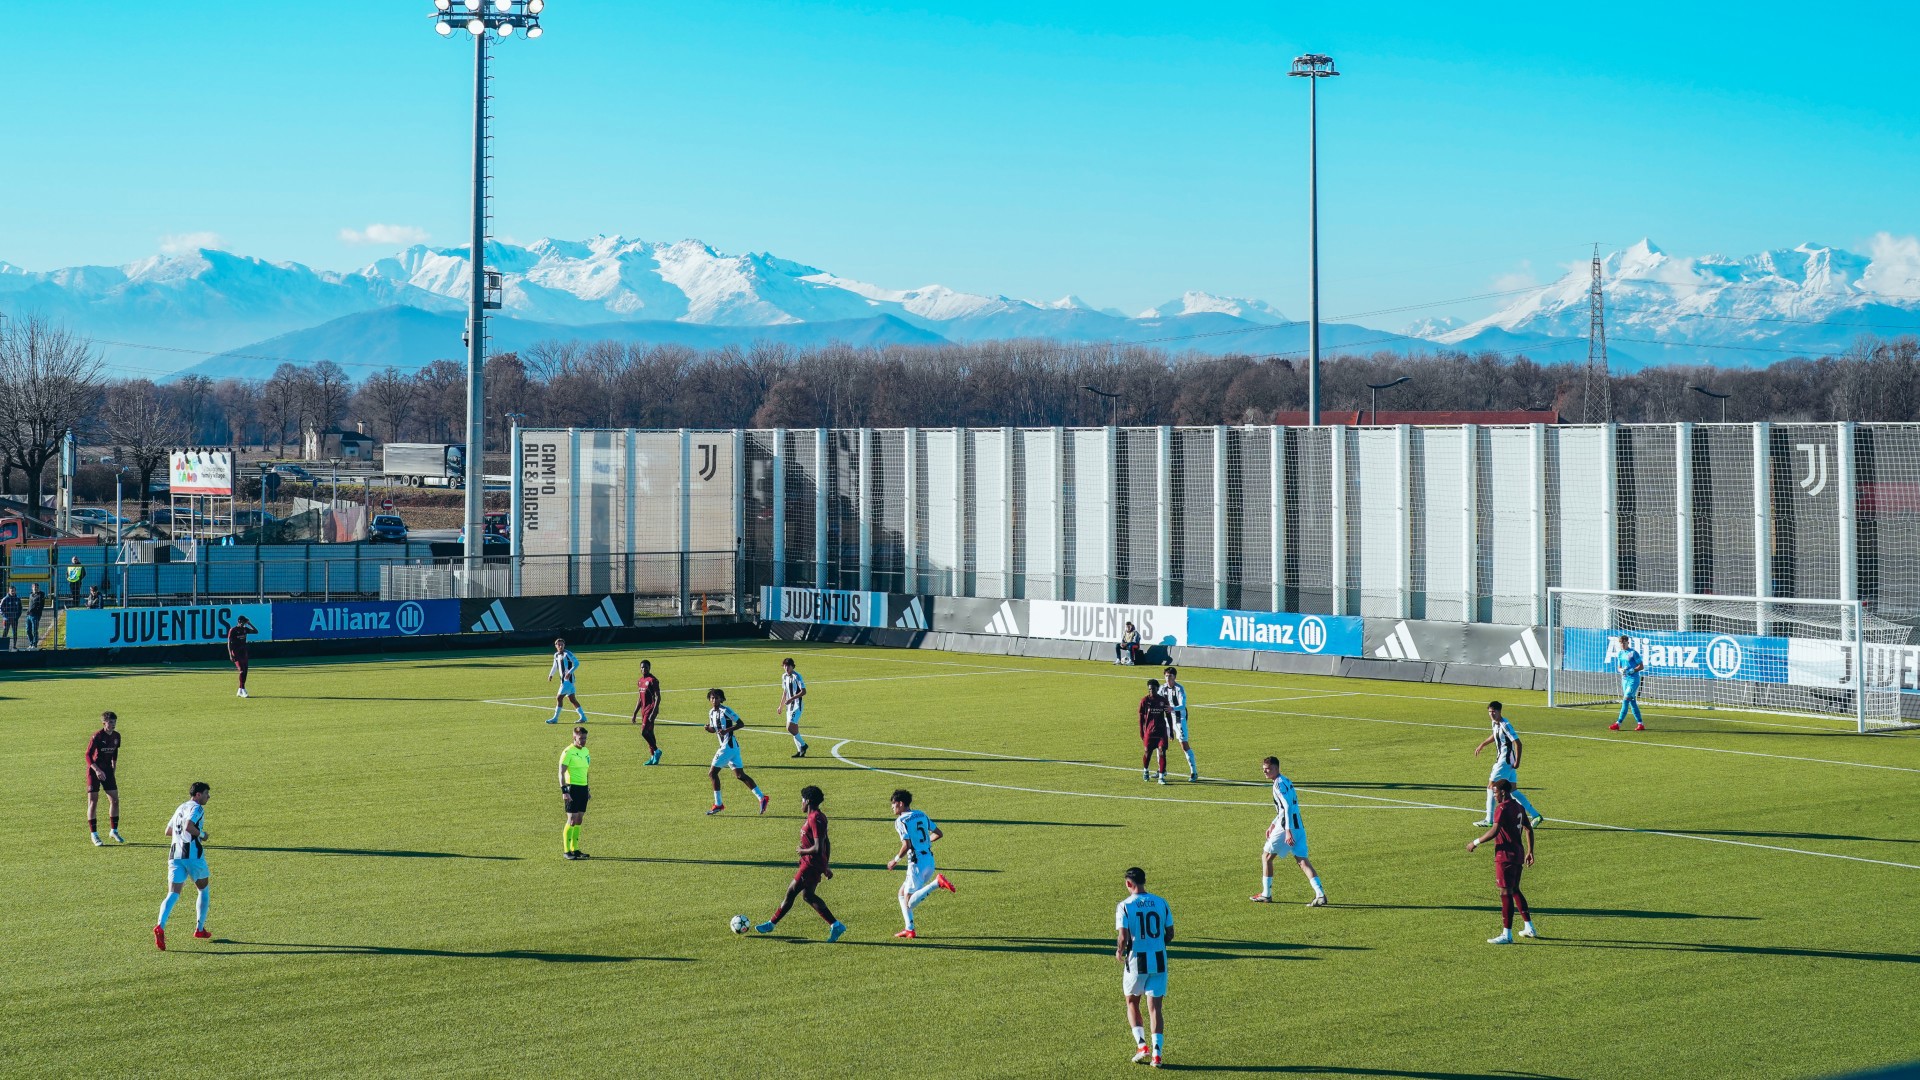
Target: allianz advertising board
[
  {"x": 1276, "y": 631},
  {"x": 202, "y": 624},
  {"x": 370, "y": 619},
  {"x": 1687, "y": 654}
]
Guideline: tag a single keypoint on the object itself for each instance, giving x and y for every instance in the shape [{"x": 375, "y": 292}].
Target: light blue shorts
[{"x": 180, "y": 871}]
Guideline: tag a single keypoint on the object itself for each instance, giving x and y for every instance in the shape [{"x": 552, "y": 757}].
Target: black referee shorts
[{"x": 575, "y": 797}]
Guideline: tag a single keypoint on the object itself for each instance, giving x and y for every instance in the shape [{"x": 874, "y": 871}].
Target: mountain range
[{"x": 223, "y": 314}]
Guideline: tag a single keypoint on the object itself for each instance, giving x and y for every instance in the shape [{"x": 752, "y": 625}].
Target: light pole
[
  {"x": 1113, "y": 412},
  {"x": 1313, "y": 67},
  {"x": 1377, "y": 387},
  {"x": 1714, "y": 394},
  {"x": 477, "y": 17}
]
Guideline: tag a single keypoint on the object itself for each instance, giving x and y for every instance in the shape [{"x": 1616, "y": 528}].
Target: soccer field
[{"x": 1717, "y": 896}]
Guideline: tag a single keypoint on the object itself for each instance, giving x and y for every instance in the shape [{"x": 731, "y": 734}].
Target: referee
[{"x": 573, "y": 791}]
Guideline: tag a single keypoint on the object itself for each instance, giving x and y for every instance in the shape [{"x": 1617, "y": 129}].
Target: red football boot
[
  {"x": 941, "y": 881},
  {"x": 160, "y": 938}
]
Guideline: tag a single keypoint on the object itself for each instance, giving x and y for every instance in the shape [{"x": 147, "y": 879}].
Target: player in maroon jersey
[
  {"x": 815, "y": 853},
  {"x": 237, "y": 649},
  {"x": 647, "y": 709},
  {"x": 103, "y": 753},
  {"x": 1153, "y": 731},
  {"x": 1509, "y": 822}
]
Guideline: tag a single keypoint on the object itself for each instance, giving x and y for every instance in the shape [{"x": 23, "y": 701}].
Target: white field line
[
  {"x": 1390, "y": 803},
  {"x": 824, "y": 682}
]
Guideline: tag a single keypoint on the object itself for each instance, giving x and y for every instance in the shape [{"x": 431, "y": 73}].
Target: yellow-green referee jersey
[{"x": 575, "y": 759}]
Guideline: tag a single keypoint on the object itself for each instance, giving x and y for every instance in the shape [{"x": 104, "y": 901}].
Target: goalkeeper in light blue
[{"x": 1631, "y": 666}]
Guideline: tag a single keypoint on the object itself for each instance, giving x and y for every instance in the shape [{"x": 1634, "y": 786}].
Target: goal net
[{"x": 1758, "y": 654}]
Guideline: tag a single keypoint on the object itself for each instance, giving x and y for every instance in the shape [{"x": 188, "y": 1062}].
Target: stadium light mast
[
  {"x": 476, "y": 18},
  {"x": 1715, "y": 395},
  {"x": 1376, "y": 387},
  {"x": 1313, "y": 67}
]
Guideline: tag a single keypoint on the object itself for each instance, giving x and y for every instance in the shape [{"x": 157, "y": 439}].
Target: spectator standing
[
  {"x": 75, "y": 575},
  {"x": 36, "y": 607},
  {"x": 10, "y": 617}
]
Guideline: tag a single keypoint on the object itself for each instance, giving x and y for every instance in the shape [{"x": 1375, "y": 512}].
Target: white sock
[
  {"x": 1191, "y": 767},
  {"x": 200, "y": 905},
  {"x": 758, "y": 794},
  {"x": 166, "y": 907},
  {"x": 1524, "y": 804},
  {"x": 1527, "y": 925},
  {"x": 923, "y": 892},
  {"x": 718, "y": 800},
  {"x": 556, "y": 712},
  {"x": 1266, "y": 886},
  {"x": 798, "y": 742},
  {"x": 906, "y": 909},
  {"x": 1489, "y": 816},
  {"x": 1317, "y": 890},
  {"x": 1139, "y": 1032}
]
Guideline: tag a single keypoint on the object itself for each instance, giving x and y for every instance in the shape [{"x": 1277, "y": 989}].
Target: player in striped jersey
[
  {"x": 565, "y": 665},
  {"x": 1176, "y": 696},
  {"x": 917, "y": 833},
  {"x": 793, "y": 694},
  {"x": 1145, "y": 925},
  {"x": 1506, "y": 764},
  {"x": 725, "y": 724},
  {"x": 186, "y": 860},
  {"x": 1288, "y": 834}
]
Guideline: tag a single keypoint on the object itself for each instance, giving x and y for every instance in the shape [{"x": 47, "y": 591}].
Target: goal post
[{"x": 1752, "y": 653}]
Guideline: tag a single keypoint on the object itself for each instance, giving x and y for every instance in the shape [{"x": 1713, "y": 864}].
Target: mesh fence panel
[
  {"x": 939, "y": 531},
  {"x": 1506, "y": 538},
  {"x": 1375, "y": 538},
  {"x": 1191, "y": 516},
  {"x": 1806, "y": 510},
  {"x": 1249, "y": 509},
  {"x": 1648, "y": 516},
  {"x": 1577, "y": 512},
  {"x": 802, "y": 487},
  {"x": 1723, "y": 547},
  {"x": 845, "y": 474},
  {"x": 1038, "y": 487},
  {"x": 1136, "y": 517},
  {"x": 1309, "y": 520},
  {"x": 759, "y": 510},
  {"x": 1087, "y": 483},
  {"x": 1440, "y": 519},
  {"x": 887, "y": 487},
  {"x": 1887, "y": 458}
]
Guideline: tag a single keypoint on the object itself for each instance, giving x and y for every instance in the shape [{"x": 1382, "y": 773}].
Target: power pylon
[{"x": 1598, "y": 399}]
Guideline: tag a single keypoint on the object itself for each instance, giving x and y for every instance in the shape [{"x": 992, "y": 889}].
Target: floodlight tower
[
  {"x": 1313, "y": 67},
  {"x": 477, "y": 17}
]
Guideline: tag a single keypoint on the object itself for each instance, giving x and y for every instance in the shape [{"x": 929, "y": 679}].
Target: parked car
[
  {"x": 253, "y": 519},
  {"x": 495, "y": 528},
  {"x": 487, "y": 537},
  {"x": 387, "y": 527},
  {"x": 98, "y": 517},
  {"x": 294, "y": 472},
  {"x": 165, "y": 516}
]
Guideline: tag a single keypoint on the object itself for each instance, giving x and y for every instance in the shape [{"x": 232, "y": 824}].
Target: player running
[
  {"x": 237, "y": 649},
  {"x": 1506, "y": 764},
  {"x": 815, "y": 854},
  {"x": 725, "y": 724},
  {"x": 793, "y": 694},
  {"x": 1631, "y": 666},
  {"x": 1145, "y": 923},
  {"x": 1287, "y": 834},
  {"x": 1176, "y": 697},
  {"x": 917, "y": 833},
  {"x": 103, "y": 753},
  {"x": 566, "y": 666},
  {"x": 1153, "y": 731},
  {"x": 1508, "y": 858},
  {"x": 187, "y": 859},
  {"x": 574, "y": 762},
  {"x": 647, "y": 709}
]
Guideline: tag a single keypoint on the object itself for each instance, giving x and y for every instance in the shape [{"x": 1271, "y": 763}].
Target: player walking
[
  {"x": 103, "y": 753},
  {"x": 1176, "y": 696},
  {"x": 187, "y": 860},
  {"x": 1153, "y": 731},
  {"x": 1506, "y": 764},
  {"x": 1508, "y": 858},
  {"x": 565, "y": 665},
  {"x": 237, "y": 649},
  {"x": 1287, "y": 834},
  {"x": 815, "y": 855},
  {"x": 574, "y": 762},
  {"x": 1631, "y": 666},
  {"x": 647, "y": 709},
  {"x": 1145, "y": 923},
  {"x": 725, "y": 724},
  {"x": 917, "y": 833},
  {"x": 793, "y": 694}
]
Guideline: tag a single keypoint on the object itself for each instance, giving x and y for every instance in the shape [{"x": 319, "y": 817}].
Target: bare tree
[
  {"x": 388, "y": 399},
  {"x": 239, "y": 401},
  {"x": 143, "y": 425},
  {"x": 280, "y": 403},
  {"x": 194, "y": 393},
  {"x": 325, "y": 390},
  {"x": 443, "y": 398},
  {"x": 49, "y": 385}
]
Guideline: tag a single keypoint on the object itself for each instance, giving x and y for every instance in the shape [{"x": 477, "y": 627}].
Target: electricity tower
[{"x": 1598, "y": 397}]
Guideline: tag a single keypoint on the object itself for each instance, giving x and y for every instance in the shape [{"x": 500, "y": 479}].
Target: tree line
[{"x": 53, "y": 380}]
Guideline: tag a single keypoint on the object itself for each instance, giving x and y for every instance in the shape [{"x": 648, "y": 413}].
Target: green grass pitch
[{"x": 389, "y": 897}]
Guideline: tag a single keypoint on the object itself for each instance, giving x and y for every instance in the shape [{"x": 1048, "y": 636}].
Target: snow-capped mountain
[{"x": 1660, "y": 308}]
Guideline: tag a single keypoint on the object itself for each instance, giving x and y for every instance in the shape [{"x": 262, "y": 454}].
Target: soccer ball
[{"x": 738, "y": 924}]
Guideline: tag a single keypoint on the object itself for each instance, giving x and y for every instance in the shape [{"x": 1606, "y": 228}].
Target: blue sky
[{"x": 1120, "y": 151}]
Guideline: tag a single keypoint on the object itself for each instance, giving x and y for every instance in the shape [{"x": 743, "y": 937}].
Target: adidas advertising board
[
  {"x": 1483, "y": 644},
  {"x": 1068, "y": 620},
  {"x": 1275, "y": 631},
  {"x": 1690, "y": 654},
  {"x": 505, "y": 615},
  {"x": 981, "y": 615},
  {"x": 375, "y": 619},
  {"x": 823, "y": 607},
  {"x": 910, "y": 612},
  {"x": 204, "y": 624}
]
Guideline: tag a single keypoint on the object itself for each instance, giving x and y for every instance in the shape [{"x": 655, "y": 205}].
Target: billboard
[
  {"x": 1276, "y": 631},
  {"x": 1688, "y": 654},
  {"x": 1069, "y": 620},
  {"x": 373, "y": 619},
  {"x": 824, "y": 607},
  {"x": 200, "y": 472},
  {"x": 203, "y": 624},
  {"x": 600, "y": 611}
]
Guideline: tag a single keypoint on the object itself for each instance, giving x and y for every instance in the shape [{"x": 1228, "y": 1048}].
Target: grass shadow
[
  {"x": 1197, "y": 949},
  {"x": 1350, "y": 1070},
  {"x": 778, "y": 864},
  {"x": 380, "y": 853},
  {"x": 289, "y": 948},
  {"x": 1589, "y": 913},
  {"x": 1738, "y": 950}
]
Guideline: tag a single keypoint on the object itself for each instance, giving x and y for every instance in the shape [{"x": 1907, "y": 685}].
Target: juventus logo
[
  {"x": 1815, "y": 481},
  {"x": 709, "y": 460}
]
